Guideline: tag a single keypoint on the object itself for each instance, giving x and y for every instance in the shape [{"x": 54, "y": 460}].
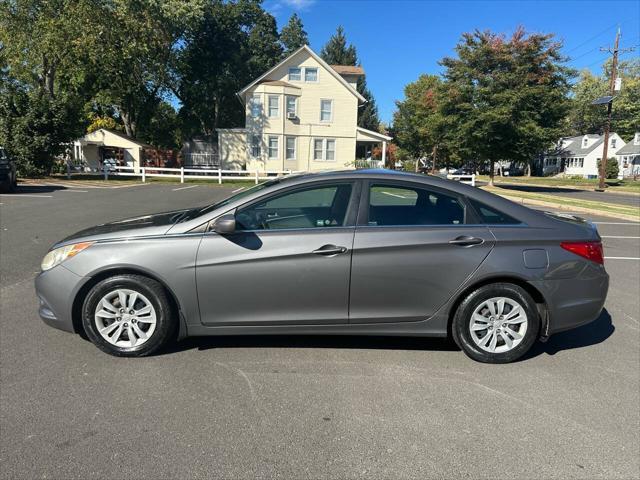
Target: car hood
[{"x": 146, "y": 225}]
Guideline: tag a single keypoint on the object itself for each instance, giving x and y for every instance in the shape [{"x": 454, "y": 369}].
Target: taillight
[{"x": 589, "y": 250}]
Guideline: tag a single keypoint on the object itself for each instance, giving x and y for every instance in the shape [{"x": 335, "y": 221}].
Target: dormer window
[
  {"x": 295, "y": 74},
  {"x": 585, "y": 142},
  {"x": 636, "y": 140},
  {"x": 613, "y": 143}
]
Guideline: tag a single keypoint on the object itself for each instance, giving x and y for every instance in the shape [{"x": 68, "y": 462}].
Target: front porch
[{"x": 369, "y": 139}]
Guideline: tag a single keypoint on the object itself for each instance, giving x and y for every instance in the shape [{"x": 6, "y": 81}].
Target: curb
[{"x": 559, "y": 206}]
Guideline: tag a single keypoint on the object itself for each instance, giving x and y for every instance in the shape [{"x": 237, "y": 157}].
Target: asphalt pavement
[{"x": 303, "y": 407}]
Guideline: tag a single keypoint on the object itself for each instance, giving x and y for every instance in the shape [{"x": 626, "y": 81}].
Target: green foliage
[
  {"x": 418, "y": 124},
  {"x": 98, "y": 122},
  {"x": 507, "y": 98},
  {"x": 611, "y": 169},
  {"x": 293, "y": 35},
  {"x": 337, "y": 52},
  {"x": 206, "y": 79},
  {"x": 587, "y": 118},
  {"x": 35, "y": 126}
]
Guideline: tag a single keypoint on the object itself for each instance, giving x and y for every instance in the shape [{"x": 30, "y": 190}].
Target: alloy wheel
[
  {"x": 125, "y": 318},
  {"x": 498, "y": 325}
]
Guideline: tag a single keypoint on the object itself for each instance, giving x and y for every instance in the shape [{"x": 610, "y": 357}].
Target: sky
[{"x": 397, "y": 40}]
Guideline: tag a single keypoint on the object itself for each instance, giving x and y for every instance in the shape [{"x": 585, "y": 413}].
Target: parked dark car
[
  {"x": 8, "y": 175},
  {"x": 368, "y": 252}
]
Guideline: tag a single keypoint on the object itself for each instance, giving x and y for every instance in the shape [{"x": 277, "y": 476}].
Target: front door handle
[
  {"x": 466, "y": 241},
  {"x": 328, "y": 250}
]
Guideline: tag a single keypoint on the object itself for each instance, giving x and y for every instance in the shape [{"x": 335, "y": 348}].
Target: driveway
[{"x": 303, "y": 407}]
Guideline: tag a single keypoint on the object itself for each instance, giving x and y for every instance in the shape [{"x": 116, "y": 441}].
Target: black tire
[
  {"x": 166, "y": 321},
  {"x": 463, "y": 319}
]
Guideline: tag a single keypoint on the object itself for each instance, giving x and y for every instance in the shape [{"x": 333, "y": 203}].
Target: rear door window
[{"x": 395, "y": 205}]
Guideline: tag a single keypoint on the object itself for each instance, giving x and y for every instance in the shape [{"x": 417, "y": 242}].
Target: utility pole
[{"x": 612, "y": 85}]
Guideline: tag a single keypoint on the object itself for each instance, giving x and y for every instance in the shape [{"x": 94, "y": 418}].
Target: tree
[
  {"x": 206, "y": 79},
  {"x": 507, "y": 97},
  {"x": 611, "y": 168},
  {"x": 587, "y": 118},
  {"x": 418, "y": 124},
  {"x": 337, "y": 52},
  {"x": 293, "y": 36}
]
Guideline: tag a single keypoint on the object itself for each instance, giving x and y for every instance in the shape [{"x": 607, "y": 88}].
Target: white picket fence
[
  {"x": 468, "y": 179},
  {"x": 196, "y": 173}
]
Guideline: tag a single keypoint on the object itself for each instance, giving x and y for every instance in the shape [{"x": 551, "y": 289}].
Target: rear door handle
[
  {"x": 328, "y": 250},
  {"x": 466, "y": 241}
]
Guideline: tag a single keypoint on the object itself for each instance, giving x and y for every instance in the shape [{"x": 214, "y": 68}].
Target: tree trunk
[
  {"x": 491, "y": 170},
  {"x": 434, "y": 156},
  {"x": 129, "y": 123}
]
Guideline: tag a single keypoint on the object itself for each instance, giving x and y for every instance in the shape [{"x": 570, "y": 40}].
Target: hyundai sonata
[{"x": 368, "y": 252}]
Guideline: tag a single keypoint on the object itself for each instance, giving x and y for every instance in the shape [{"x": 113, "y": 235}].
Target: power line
[{"x": 590, "y": 39}]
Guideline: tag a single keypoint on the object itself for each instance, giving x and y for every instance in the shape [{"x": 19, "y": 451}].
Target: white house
[
  {"x": 629, "y": 157},
  {"x": 110, "y": 147},
  {"x": 580, "y": 155},
  {"x": 301, "y": 115}
]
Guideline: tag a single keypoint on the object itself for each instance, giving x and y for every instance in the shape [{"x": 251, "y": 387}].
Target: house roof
[
  {"x": 277, "y": 83},
  {"x": 629, "y": 148},
  {"x": 364, "y": 135},
  {"x": 118, "y": 134},
  {"x": 348, "y": 69},
  {"x": 574, "y": 145},
  {"x": 318, "y": 59}
]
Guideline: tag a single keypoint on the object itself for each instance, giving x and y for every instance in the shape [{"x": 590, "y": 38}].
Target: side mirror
[{"x": 225, "y": 225}]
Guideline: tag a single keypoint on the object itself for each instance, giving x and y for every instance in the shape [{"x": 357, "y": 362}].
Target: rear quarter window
[{"x": 491, "y": 216}]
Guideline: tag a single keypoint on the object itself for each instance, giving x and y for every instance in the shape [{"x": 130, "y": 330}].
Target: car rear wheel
[
  {"x": 497, "y": 323},
  {"x": 128, "y": 316}
]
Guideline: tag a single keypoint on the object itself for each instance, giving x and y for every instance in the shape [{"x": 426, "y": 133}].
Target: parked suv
[{"x": 8, "y": 176}]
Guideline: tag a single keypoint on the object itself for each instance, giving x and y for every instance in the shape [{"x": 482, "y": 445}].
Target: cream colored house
[
  {"x": 110, "y": 147},
  {"x": 301, "y": 115}
]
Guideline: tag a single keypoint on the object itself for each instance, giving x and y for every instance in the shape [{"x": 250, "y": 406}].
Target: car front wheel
[
  {"x": 128, "y": 316},
  {"x": 497, "y": 323}
]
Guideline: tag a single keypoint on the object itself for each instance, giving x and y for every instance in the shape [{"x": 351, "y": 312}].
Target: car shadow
[
  {"x": 590, "y": 334},
  {"x": 312, "y": 341},
  {"x": 34, "y": 189}
]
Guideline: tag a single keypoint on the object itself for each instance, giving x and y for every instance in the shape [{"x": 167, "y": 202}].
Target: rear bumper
[
  {"x": 56, "y": 289},
  {"x": 577, "y": 301}
]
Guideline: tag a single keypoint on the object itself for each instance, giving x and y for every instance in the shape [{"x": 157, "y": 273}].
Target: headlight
[{"x": 59, "y": 255}]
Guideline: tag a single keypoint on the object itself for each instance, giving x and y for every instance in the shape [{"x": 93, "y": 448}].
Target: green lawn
[
  {"x": 614, "y": 185},
  {"x": 569, "y": 202}
]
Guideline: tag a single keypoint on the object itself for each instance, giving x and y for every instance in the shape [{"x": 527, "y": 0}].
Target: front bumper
[
  {"x": 577, "y": 301},
  {"x": 56, "y": 290}
]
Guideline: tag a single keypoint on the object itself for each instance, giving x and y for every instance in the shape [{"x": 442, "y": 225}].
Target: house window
[
  {"x": 291, "y": 148},
  {"x": 613, "y": 143},
  {"x": 256, "y": 106},
  {"x": 330, "y": 153},
  {"x": 291, "y": 105},
  {"x": 326, "y": 107},
  {"x": 324, "y": 149},
  {"x": 273, "y": 147},
  {"x": 255, "y": 146},
  {"x": 581, "y": 163},
  {"x": 318, "y": 145},
  {"x": 584, "y": 142},
  {"x": 295, "y": 74},
  {"x": 274, "y": 106},
  {"x": 310, "y": 74}
]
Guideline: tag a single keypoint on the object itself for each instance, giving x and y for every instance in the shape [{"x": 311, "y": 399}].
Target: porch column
[{"x": 384, "y": 153}]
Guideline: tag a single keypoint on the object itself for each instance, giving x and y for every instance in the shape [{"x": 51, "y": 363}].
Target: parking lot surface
[{"x": 303, "y": 407}]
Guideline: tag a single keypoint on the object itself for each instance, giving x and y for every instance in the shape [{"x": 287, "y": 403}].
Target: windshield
[{"x": 244, "y": 192}]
